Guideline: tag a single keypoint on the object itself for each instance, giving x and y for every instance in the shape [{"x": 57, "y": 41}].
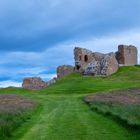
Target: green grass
[
  {"x": 130, "y": 114},
  {"x": 14, "y": 110},
  {"x": 68, "y": 118},
  {"x": 63, "y": 115},
  {"x": 11, "y": 121},
  {"x": 76, "y": 84}
]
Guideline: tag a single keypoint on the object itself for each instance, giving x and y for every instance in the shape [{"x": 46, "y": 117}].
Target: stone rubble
[
  {"x": 34, "y": 83},
  {"x": 64, "y": 70}
]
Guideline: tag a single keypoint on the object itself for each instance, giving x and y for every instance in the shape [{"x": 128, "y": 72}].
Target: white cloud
[
  {"x": 47, "y": 77},
  {"x": 44, "y": 63},
  {"x": 63, "y": 53},
  {"x": 10, "y": 83},
  {"x": 103, "y": 44}
]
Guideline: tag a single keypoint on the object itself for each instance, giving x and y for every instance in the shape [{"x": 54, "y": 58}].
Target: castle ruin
[
  {"x": 89, "y": 63},
  {"x": 64, "y": 70},
  {"x": 95, "y": 63},
  {"x": 126, "y": 55}
]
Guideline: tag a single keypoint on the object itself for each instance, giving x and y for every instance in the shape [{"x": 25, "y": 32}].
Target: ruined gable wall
[{"x": 82, "y": 58}]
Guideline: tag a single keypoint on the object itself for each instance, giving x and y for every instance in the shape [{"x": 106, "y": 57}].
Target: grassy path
[{"x": 69, "y": 118}]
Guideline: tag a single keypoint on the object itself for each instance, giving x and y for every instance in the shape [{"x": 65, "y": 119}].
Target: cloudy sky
[{"x": 36, "y": 36}]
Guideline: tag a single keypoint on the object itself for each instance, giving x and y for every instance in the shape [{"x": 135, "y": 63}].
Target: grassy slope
[
  {"x": 77, "y": 84},
  {"x": 64, "y": 116},
  {"x": 130, "y": 114}
]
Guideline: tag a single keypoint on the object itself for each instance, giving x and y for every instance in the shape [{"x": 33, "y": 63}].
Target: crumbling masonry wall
[
  {"x": 82, "y": 58},
  {"x": 127, "y": 55},
  {"x": 64, "y": 70},
  {"x": 95, "y": 63},
  {"x": 34, "y": 83}
]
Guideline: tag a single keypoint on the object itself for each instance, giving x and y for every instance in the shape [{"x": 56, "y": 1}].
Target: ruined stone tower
[
  {"x": 126, "y": 55},
  {"x": 82, "y": 58}
]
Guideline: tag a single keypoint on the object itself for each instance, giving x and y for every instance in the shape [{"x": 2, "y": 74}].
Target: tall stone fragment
[
  {"x": 82, "y": 58},
  {"x": 127, "y": 55},
  {"x": 64, "y": 70},
  {"x": 34, "y": 83}
]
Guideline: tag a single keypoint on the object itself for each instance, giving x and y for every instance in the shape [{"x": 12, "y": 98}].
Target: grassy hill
[
  {"x": 63, "y": 115},
  {"x": 125, "y": 78}
]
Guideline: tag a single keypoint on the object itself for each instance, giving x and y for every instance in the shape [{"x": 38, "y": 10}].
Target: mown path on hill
[
  {"x": 64, "y": 116},
  {"x": 67, "y": 117}
]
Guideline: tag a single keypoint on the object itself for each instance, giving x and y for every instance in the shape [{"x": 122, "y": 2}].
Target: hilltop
[{"x": 62, "y": 114}]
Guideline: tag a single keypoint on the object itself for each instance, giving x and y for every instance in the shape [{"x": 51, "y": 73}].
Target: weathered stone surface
[
  {"x": 64, "y": 70},
  {"x": 95, "y": 63},
  {"x": 89, "y": 63},
  {"x": 93, "y": 68},
  {"x": 82, "y": 58},
  {"x": 127, "y": 55},
  {"x": 34, "y": 83},
  {"x": 106, "y": 65},
  {"x": 109, "y": 64},
  {"x": 98, "y": 56}
]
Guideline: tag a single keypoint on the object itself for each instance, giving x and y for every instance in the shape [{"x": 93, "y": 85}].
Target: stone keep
[
  {"x": 127, "y": 55},
  {"x": 64, "y": 70},
  {"x": 34, "y": 83}
]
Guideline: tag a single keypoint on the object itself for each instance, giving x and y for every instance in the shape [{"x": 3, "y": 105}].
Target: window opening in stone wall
[
  {"x": 86, "y": 58},
  {"x": 77, "y": 67}
]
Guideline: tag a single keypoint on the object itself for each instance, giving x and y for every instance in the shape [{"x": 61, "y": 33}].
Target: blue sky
[{"x": 36, "y": 36}]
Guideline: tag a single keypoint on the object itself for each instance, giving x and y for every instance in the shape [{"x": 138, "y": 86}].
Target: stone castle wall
[
  {"x": 82, "y": 58},
  {"x": 34, "y": 83},
  {"x": 89, "y": 63},
  {"x": 95, "y": 63},
  {"x": 127, "y": 55},
  {"x": 64, "y": 70}
]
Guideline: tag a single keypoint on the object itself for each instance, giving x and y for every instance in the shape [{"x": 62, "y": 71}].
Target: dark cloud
[
  {"x": 37, "y": 36},
  {"x": 36, "y": 25}
]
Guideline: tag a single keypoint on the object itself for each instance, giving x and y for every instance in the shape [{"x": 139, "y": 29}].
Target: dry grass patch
[
  {"x": 10, "y": 103},
  {"x": 123, "y": 104},
  {"x": 14, "y": 111},
  {"x": 127, "y": 97}
]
